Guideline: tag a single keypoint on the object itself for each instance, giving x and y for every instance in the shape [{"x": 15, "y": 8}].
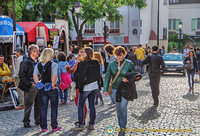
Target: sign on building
[{"x": 56, "y": 42}]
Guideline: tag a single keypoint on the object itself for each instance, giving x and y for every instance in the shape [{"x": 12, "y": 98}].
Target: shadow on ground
[
  {"x": 149, "y": 114},
  {"x": 191, "y": 97},
  {"x": 143, "y": 93}
]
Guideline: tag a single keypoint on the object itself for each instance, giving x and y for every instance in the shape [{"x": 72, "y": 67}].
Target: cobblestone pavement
[{"x": 178, "y": 111}]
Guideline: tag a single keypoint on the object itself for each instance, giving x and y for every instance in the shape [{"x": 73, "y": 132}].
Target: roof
[
  {"x": 153, "y": 35},
  {"x": 30, "y": 29},
  {"x": 6, "y": 29}
]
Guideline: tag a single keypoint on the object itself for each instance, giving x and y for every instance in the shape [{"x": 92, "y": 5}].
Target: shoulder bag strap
[{"x": 118, "y": 72}]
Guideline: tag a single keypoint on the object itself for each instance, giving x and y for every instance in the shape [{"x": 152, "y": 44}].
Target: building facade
[
  {"x": 140, "y": 26},
  {"x": 188, "y": 12}
]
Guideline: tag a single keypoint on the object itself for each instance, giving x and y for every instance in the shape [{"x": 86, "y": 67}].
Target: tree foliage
[{"x": 92, "y": 10}]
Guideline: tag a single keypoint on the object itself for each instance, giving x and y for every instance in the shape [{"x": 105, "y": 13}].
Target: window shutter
[
  {"x": 194, "y": 24},
  {"x": 169, "y": 25},
  {"x": 177, "y": 23}
]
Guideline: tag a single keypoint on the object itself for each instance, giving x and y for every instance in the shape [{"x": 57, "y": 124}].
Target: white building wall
[
  {"x": 134, "y": 23},
  {"x": 164, "y": 15},
  {"x": 164, "y": 11},
  {"x": 185, "y": 12},
  {"x": 145, "y": 16}
]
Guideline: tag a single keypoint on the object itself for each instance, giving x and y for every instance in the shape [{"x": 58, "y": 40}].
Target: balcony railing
[
  {"x": 114, "y": 30},
  {"x": 89, "y": 31}
]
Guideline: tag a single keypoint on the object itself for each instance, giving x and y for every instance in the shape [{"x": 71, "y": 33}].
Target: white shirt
[
  {"x": 91, "y": 86},
  {"x": 17, "y": 65},
  {"x": 185, "y": 52}
]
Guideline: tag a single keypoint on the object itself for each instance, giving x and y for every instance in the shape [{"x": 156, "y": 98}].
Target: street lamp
[
  {"x": 180, "y": 25},
  {"x": 158, "y": 23},
  {"x": 106, "y": 29},
  {"x": 77, "y": 8}
]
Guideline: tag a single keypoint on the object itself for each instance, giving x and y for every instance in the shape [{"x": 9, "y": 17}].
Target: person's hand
[
  {"x": 125, "y": 80},
  {"x": 106, "y": 93},
  {"x": 188, "y": 62},
  {"x": 33, "y": 84},
  {"x": 68, "y": 67},
  {"x": 53, "y": 87}
]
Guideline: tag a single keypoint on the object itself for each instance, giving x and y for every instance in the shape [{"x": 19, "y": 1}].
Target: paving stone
[{"x": 177, "y": 110}]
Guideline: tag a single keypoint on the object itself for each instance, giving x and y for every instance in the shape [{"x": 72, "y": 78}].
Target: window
[
  {"x": 115, "y": 27},
  {"x": 165, "y": 2},
  {"x": 89, "y": 28},
  {"x": 195, "y": 24},
  {"x": 173, "y": 24},
  {"x": 198, "y": 23},
  {"x": 173, "y": 1},
  {"x": 164, "y": 33}
]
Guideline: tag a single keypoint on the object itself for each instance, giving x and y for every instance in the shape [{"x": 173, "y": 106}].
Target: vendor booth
[
  {"x": 36, "y": 32},
  {"x": 6, "y": 37},
  {"x": 9, "y": 41}
]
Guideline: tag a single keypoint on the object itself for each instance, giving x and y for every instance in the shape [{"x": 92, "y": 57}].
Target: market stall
[
  {"x": 36, "y": 32},
  {"x": 6, "y": 37}
]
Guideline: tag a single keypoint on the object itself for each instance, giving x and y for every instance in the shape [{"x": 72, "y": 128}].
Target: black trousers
[
  {"x": 154, "y": 83},
  {"x": 31, "y": 97}
]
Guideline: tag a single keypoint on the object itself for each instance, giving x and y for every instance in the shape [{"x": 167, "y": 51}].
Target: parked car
[{"x": 174, "y": 63}]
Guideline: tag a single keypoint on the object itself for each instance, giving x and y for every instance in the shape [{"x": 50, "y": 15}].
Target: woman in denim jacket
[{"x": 64, "y": 78}]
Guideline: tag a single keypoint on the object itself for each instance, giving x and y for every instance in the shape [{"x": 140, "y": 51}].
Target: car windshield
[{"x": 173, "y": 57}]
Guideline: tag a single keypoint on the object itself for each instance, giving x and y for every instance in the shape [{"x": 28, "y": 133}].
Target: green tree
[{"x": 3, "y": 7}]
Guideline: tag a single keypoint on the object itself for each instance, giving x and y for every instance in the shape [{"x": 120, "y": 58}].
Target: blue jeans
[
  {"x": 113, "y": 96},
  {"x": 82, "y": 98},
  {"x": 45, "y": 96},
  {"x": 122, "y": 113},
  {"x": 64, "y": 97},
  {"x": 141, "y": 66},
  {"x": 190, "y": 75}
]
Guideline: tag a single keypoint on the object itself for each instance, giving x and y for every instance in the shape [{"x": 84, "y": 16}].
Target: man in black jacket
[
  {"x": 156, "y": 64},
  {"x": 28, "y": 86}
]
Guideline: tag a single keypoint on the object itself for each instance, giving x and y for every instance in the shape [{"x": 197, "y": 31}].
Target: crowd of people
[{"x": 48, "y": 76}]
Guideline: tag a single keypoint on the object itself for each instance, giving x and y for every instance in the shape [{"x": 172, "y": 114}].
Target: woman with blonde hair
[
  {"x": 73, "y": 71},
  {"x": 192, "y": 62},
  {"x": 47, "y": 88},
  {"x": 98, "y": 56}
]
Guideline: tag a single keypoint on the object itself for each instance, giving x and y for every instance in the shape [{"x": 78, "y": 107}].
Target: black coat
[
  {"x": 156, "y": 64},
  {"x": 194, "y": 62},
  {"x": 26, "y": 73},
  {"x": 86, "y": 73},
  {"x": 127, "y": 90}
]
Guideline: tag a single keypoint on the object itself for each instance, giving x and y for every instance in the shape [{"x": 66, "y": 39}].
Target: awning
[
  {"x": 6, "y": 29},
  {"x": 87, "y": 41},
  {"x": 31, "y": 29},
  {"x": 153, "y": 35}
]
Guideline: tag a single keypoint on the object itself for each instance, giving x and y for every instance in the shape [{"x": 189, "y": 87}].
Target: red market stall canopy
[{"x": 31, "y": 29}]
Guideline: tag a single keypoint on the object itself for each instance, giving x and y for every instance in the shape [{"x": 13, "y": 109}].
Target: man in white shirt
[
  {"x": 69, "y": 51},
  {"x": 19, "y": 56},
  {"x": 186, "y": 50}
]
